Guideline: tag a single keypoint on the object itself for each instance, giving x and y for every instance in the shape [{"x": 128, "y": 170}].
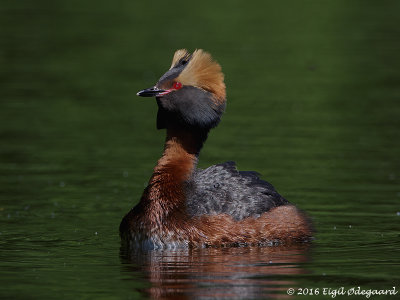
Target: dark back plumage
[{"x": 222, "y": 189}]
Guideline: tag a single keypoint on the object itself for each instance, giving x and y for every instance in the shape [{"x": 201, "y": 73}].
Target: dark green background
[{"x": 313, "y": 105}]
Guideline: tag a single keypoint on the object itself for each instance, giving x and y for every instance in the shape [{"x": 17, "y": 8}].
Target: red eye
[{"x": 177, "y": 85}]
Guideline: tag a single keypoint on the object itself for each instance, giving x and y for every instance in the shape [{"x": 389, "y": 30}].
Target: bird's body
[
  {"x": 222, "y": 189},
  {"x": 183, "y": 206}
]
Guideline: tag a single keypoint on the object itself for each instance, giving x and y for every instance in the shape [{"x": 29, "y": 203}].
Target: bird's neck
[
  {"x": 175, "y": 167},
  {"x": 179, "y": 158},
  {"x": 183, "y": 142}
]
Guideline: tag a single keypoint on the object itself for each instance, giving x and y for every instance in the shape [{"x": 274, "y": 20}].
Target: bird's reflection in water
[{"x": 218, "y": 273}]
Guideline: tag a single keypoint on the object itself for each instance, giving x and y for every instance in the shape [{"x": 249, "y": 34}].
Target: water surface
[{"x": 313, "y": 105}]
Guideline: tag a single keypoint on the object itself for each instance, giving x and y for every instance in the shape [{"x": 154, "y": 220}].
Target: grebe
[{"x": 183, "y": 206}]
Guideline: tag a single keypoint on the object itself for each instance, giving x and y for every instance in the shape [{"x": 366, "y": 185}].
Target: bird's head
[{"x": 191, "y": 93}]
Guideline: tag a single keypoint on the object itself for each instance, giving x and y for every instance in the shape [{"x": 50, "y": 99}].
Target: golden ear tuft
[{"x": 202, "y": 71}]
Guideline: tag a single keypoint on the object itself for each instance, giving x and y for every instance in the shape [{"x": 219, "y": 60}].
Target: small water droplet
[
  {"x": 96, "y": 233},
  {"x": 334, "y": 227},
  {"x": 62, "y": 183},
  {"x": 350, "y": 226},
  {"x": 27, "y": 207},
  {"x": 52, "y": 215},
  {"x": 398, "y": 213},
  {"x": 323, "y": 274}
]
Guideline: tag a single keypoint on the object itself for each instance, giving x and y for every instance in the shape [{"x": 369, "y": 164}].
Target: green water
[{"x": 313, "y": 105}]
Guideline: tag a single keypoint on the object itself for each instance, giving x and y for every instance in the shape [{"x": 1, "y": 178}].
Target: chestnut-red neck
[{"x": 165, "y": 193}]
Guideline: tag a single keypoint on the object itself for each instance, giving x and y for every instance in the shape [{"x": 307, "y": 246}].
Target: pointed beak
[{"x": 152, "y": 92}]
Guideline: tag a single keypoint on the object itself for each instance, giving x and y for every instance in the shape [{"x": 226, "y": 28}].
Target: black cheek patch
[
  {"x": 161, "y": 116},
  {"x": 198, "y": 109},
  {"x": 189, "y": 107}
]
